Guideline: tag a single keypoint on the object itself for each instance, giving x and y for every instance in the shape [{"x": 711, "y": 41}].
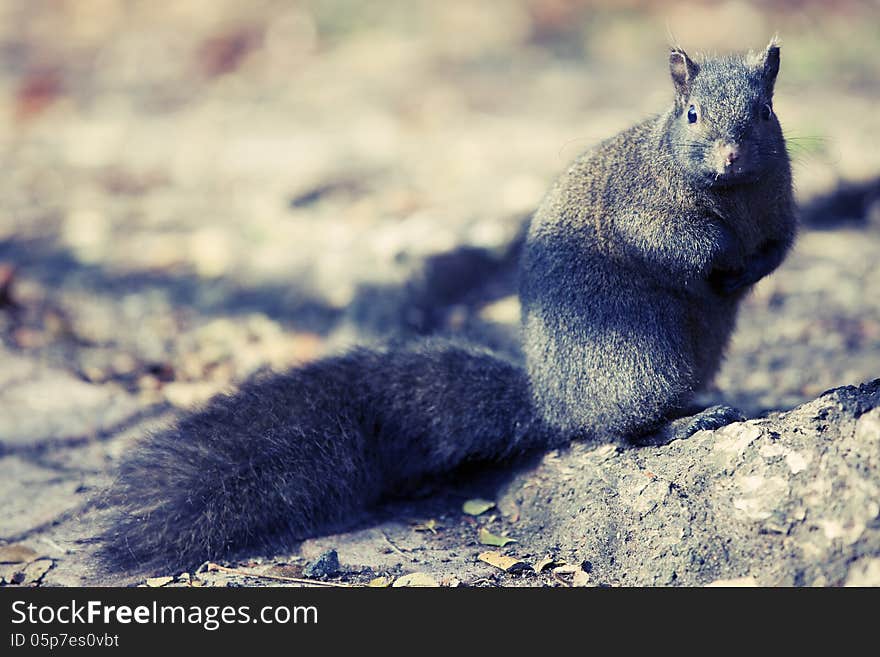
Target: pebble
[{"x": 326, "y": 565}]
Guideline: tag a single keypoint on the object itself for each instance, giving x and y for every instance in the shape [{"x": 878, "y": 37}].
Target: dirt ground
[{"x": 194, "y": 191}]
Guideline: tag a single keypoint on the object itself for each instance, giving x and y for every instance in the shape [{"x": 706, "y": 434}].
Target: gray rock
[
  {"x": 326, "y": 565},
  {"x": 791, "y": 499}
]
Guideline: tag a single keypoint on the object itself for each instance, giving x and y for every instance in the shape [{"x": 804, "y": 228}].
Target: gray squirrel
[{"x": 630, "y": 278}]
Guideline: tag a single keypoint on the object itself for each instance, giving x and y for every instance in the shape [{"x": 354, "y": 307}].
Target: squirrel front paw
[
  {"x": 710, "y": 418},
  {"x": 730, "y": 281}
]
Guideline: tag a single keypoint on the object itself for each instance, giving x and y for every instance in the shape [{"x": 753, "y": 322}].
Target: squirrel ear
[
  {"x": 771, "y": 65},
  {"x": 683, "y": 71}
]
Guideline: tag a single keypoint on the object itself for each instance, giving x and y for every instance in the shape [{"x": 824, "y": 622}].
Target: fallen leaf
[
  {"x": 380, "y": 582},
  {"x": 225, "y": 52},
  {"x": 9, "y": 573},
  {"x": 7, "y": 277},
  {"x": 736, "y": 582},
  {"x": 488, "y": 538},
  {"x": 505, "y": 563},
  {"x": 286, "y": 571},
  {"x": 35, "y": 570},
  {"x": 429, "y": 526},
  {"x": 36, "y": 92},
  {"x": 580, "y": 579},
  {"x": 565, "y": 569},
  {"x": 17, "y": 553},
  {"x": 503, "y": 311},
  {"x": 156, "y": 582},
  {"x": 545, "y": 563},
  {"x": 477, "y": 506},
  {"x": 188, "y": 395},
  {"x": 415, "y": 579}
]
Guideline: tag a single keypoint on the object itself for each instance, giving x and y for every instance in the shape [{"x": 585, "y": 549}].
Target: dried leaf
[
  {"x": 35, "y": 570},
  {"x": 17, "y": 553},
  {"x": 503, "y": 311},
  {"x": 6, "y": 573},
  {"x": 36, "y": 92},
  {"x": 429, "y": 526},
  {"x": 416, "y": 579},
  {"x": 189, "y": 395},
  {"x": 580, "y": 579},
  {"x": 224, "y": 52},
  {"x": 488, "y": 538},
  {"x": 380, "y": 582},
  {"x": 565, "y": 569},
  {"x": 505, "y": 563},
  {"x": 545, "y": 563},
  {"x": 736, "y": 582},
  {"x": 477, "y": 506},
  {"x": 156, "y": 582},
  {"x": 7, "y": 278},
  {"x": 286, "y": 570}
]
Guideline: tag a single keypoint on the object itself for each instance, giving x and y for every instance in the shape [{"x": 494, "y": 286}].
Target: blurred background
[{"x": 195, "y": 190}]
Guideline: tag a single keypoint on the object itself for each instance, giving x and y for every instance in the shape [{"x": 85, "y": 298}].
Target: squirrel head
[{"x": 722, "y": 129}]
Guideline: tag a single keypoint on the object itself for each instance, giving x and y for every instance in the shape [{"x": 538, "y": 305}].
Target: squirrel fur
[{"x": 630, "y": 278}]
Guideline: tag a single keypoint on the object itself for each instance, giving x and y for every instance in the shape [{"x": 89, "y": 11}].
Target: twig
[
  {"x": 298, "y": 580},
  {"x": 398, "y": 550}
]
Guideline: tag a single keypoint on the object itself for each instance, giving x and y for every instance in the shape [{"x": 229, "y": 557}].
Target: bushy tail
[{"x": 293, "y": 455}]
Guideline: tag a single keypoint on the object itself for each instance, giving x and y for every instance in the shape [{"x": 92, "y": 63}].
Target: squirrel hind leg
[{"x": 711, "y": 418}]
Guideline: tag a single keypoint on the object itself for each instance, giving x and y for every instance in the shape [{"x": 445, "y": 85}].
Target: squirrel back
[{"x": 630, "y": 279}]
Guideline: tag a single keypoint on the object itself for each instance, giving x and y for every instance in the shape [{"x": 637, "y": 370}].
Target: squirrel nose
[{"x": 730, "y": 153}]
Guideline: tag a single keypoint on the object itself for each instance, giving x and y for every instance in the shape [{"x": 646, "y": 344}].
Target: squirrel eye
[
  {"x": 766, "y": 111},
  {"x": 692, "y": 114}
]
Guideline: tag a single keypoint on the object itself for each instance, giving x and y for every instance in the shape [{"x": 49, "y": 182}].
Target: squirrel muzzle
[{"x": 731, "y": 162}]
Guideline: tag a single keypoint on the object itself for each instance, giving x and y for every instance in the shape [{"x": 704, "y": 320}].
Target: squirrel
[{"x": 630, "y": 278}]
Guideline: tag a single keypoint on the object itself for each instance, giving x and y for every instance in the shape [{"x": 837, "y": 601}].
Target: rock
[
  {"x": 326, "y": 565},
  {"x": 790, "y": 499}
]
